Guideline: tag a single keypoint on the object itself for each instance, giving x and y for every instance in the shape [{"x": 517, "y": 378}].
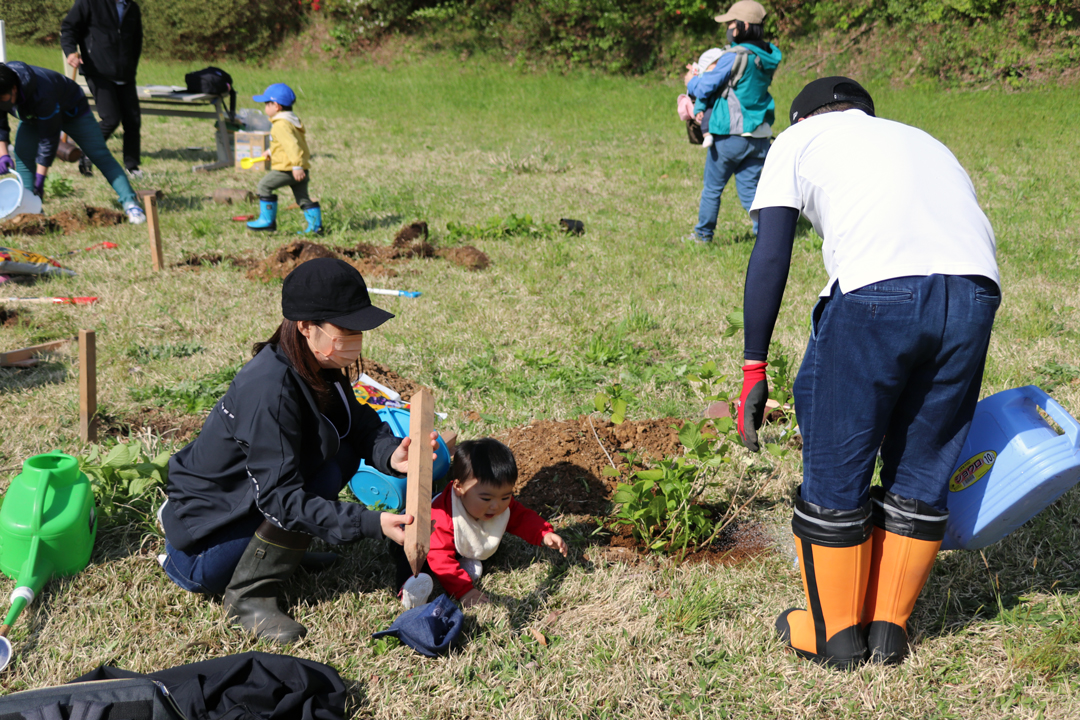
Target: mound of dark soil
[
  {"x": 197, "y": 261},
  {"x": 67, "y": 222},
  {"x": 561, "y": 462},
  {"x": 466, "y": 256},
  {"x": 9, "y": 318}
]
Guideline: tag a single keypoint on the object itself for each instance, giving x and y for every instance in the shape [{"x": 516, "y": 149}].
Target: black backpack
[
  {"x": 212, "y": 81},
  {"x": 139, "y": 698}
]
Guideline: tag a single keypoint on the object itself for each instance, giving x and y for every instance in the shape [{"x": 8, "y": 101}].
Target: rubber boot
[
  {"x": 834, "y": 557},
  {"x": 907, "y": 536},
  {"x": 313, "y": 215},
  {"x": 267, "y": 219},
  {"x": 251, "y": 598}
]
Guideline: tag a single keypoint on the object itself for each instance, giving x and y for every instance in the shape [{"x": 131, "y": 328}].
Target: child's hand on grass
[
  {"x": 393, "y": 526},
  {"x": 474, "y": 597},
  {"x": 555, "y": 542}
]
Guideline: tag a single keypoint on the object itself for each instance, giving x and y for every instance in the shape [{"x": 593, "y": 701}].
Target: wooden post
[
  {"x": 155, "y": 232},
  {"x": 418, "y": 489},
  {"x": 87, "y": 385}
]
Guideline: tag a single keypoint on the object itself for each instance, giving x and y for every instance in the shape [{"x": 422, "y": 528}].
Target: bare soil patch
[
  {"x": 561, "y": 462},
  {"x": 466, "y": 256},
  {"x": 10, "y": 318},
  {"x": 410, "y": 242},
  {"x": 382, "y": 374},
  {"x": 67, "y": 222},
  {"x": 167, "y": 423},
  {"x": 197, "y": 261}
]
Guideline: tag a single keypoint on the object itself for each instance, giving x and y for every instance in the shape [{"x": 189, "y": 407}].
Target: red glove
[{"x": 755, "y": 391}]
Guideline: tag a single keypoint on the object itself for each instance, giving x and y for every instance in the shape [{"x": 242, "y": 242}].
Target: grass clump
[{"x": 191, "y": 396}]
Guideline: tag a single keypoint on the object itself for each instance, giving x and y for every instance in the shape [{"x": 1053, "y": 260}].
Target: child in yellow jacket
[{"x": 290, "y": 161}]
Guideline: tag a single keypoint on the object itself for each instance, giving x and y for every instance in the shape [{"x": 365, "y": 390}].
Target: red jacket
[{"x": 443, "y": 558}]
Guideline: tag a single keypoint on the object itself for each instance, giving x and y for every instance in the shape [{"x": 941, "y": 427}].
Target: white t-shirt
[{"x": 888, "y": 199}]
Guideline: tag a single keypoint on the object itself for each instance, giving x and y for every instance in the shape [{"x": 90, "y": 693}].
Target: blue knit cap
[{"x": 429, "y": 629}]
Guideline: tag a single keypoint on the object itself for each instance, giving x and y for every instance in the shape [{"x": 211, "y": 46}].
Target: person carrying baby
[{"x": 468, "y": 521}]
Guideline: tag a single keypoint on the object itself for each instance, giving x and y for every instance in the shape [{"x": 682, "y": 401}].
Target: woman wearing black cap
[{"x": 262, "y": 478}]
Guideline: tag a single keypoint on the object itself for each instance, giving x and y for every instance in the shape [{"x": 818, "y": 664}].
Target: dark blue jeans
[
  {"x": 208, "y": 567},
  {"x": 85, "y": 133},
  {"x": 730, "y": 155},
  {"x": 895, "y": 366}
]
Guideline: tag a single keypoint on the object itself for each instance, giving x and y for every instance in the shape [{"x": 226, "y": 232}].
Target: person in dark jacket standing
[
  {"x": 46, "y": 104},
  {"x": 109, "y": 34},
  {"x": 247, "y": 496}
]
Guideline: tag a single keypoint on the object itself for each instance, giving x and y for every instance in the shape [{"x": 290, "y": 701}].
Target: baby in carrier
[{"x": 696, "y": 112}]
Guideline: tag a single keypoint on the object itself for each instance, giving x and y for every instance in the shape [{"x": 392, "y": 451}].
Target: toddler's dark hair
[
  {"x": 286, "y": 108},
  {"x": 487, "y": 460}
]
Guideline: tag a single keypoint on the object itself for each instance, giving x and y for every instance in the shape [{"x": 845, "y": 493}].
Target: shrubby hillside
[{"x": 956, "y": 41}]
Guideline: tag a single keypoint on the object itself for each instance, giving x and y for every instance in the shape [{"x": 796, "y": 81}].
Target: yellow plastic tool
[{"x": 246, "y": 163}]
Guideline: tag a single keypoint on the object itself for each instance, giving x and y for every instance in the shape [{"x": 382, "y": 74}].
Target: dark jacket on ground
[
  {"x": 110, "y": 48},
  {"x": 46, "y": 99},
  {"x": 258, "y": 447}
]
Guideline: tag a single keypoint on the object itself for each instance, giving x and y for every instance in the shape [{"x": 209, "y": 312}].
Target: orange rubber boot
[
  {"x": 906, "y": 539},
  {"x": 834, "y": 557}
]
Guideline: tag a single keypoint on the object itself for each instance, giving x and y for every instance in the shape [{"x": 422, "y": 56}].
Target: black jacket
[
  {"x": 262, "y": 441},
  {"x": 45, "y": 99},
  {"x": 110, "y": 48}
]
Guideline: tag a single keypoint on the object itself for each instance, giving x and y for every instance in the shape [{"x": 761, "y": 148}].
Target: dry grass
[{"x": 625, "y": 640}]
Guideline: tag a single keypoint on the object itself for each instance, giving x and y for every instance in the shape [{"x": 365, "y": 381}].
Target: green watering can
[{"x": 47, "y": 528}]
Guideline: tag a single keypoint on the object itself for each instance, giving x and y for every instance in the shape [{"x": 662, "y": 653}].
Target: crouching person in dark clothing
[{"x": 262, "y": 479}]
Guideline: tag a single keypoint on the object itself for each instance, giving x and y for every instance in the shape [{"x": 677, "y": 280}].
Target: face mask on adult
[
  {"x": 731, "y": 36},
  {"x": 337, "y": 350},
  {"x": 6, "y": 105}
]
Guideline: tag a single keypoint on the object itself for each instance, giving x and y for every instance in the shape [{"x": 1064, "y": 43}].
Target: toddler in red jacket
[{"x": 468, "y": 521}]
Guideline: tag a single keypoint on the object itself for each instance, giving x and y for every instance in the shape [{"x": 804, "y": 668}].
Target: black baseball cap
[
  {"x": 830, "y": 90},
  {"x": 330, "y": 290}
]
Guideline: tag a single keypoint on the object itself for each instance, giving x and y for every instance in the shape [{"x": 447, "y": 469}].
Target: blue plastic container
[
  {"x": 1012, "y": 466},
  {"x": 376, "y": 489}
]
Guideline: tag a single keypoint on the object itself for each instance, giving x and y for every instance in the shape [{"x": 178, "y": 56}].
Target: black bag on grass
[
  {"x": 138, "y": 698},
  {"x": 212, "y": 81},
  {"x": 249, "y": 686}
]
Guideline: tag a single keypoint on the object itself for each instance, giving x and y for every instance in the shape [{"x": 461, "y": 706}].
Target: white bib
[{"x": 476, "y": 539}]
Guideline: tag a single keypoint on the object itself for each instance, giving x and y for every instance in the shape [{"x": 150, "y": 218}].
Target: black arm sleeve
[
  {"x": 766, "y": 276},
  {"x": 73, "y": 28}
]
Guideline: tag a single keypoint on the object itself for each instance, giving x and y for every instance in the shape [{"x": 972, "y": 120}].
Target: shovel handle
[{"x": 4, "y": 630}]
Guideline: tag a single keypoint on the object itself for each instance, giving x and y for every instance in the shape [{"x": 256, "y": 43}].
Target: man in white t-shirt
[{"x": 894, "y": 362}]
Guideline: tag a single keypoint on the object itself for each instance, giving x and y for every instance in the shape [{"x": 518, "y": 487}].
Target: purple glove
[
  {"x": 6, "y": 164},
  {"x": 39, "y": 185}
]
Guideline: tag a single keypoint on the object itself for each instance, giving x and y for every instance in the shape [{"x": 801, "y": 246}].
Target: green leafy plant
[
  {"x": 709, "y": 383},
  {"x": 58, "y": 187},
  {"x": 734, "y": 322},
  {"x": 614, "y": 400},
  {"x": 1052, "y": 374},
  {"x": 662, "y": 506},
  {"x": 124, "y": 477},
  {"x": 191, "y": 396},
  {"x": 143, "y": 353},
  {"x": 496, "y": 228}
]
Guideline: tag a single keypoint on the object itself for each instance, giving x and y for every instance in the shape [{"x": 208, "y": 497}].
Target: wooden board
[
  {"x": 87, "y": 385},
  {"x": 23, "y": 357},
  {"x": 418, "y": 489},
  {"x": 154, "y": 228}
]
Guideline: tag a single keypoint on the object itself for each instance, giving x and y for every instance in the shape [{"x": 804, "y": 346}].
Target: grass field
[{"x": 553, "y": 320}]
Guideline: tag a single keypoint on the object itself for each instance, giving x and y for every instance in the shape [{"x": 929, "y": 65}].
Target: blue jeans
[
  {"x": 85, "y": 133},
  {"x": 895, "y": 366},
  {"x": 208, "y": 567},
  {"x": 730, "y": 155}
]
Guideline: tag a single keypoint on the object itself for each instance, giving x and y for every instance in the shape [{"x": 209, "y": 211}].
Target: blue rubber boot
[
  {"x": 313, "y": 215},
  {"x": 267, "y": 219}
]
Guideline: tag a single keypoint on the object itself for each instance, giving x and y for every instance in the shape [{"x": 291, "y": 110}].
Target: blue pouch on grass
[{"x": 430, "y": 629}]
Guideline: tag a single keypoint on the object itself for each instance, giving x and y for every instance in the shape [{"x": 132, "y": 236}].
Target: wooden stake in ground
[
  {"x": 24, "y": 357},
  {"x": 155, "y": 232},
  {"x": 87, "y": 385},
  {"x": 418, "y": 490}
]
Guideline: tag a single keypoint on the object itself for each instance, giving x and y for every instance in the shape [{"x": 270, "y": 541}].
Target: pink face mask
[{"x": 342, "y": 347}]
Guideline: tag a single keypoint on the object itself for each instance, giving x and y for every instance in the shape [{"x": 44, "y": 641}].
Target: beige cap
[{"x": 750, "y": 12}]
